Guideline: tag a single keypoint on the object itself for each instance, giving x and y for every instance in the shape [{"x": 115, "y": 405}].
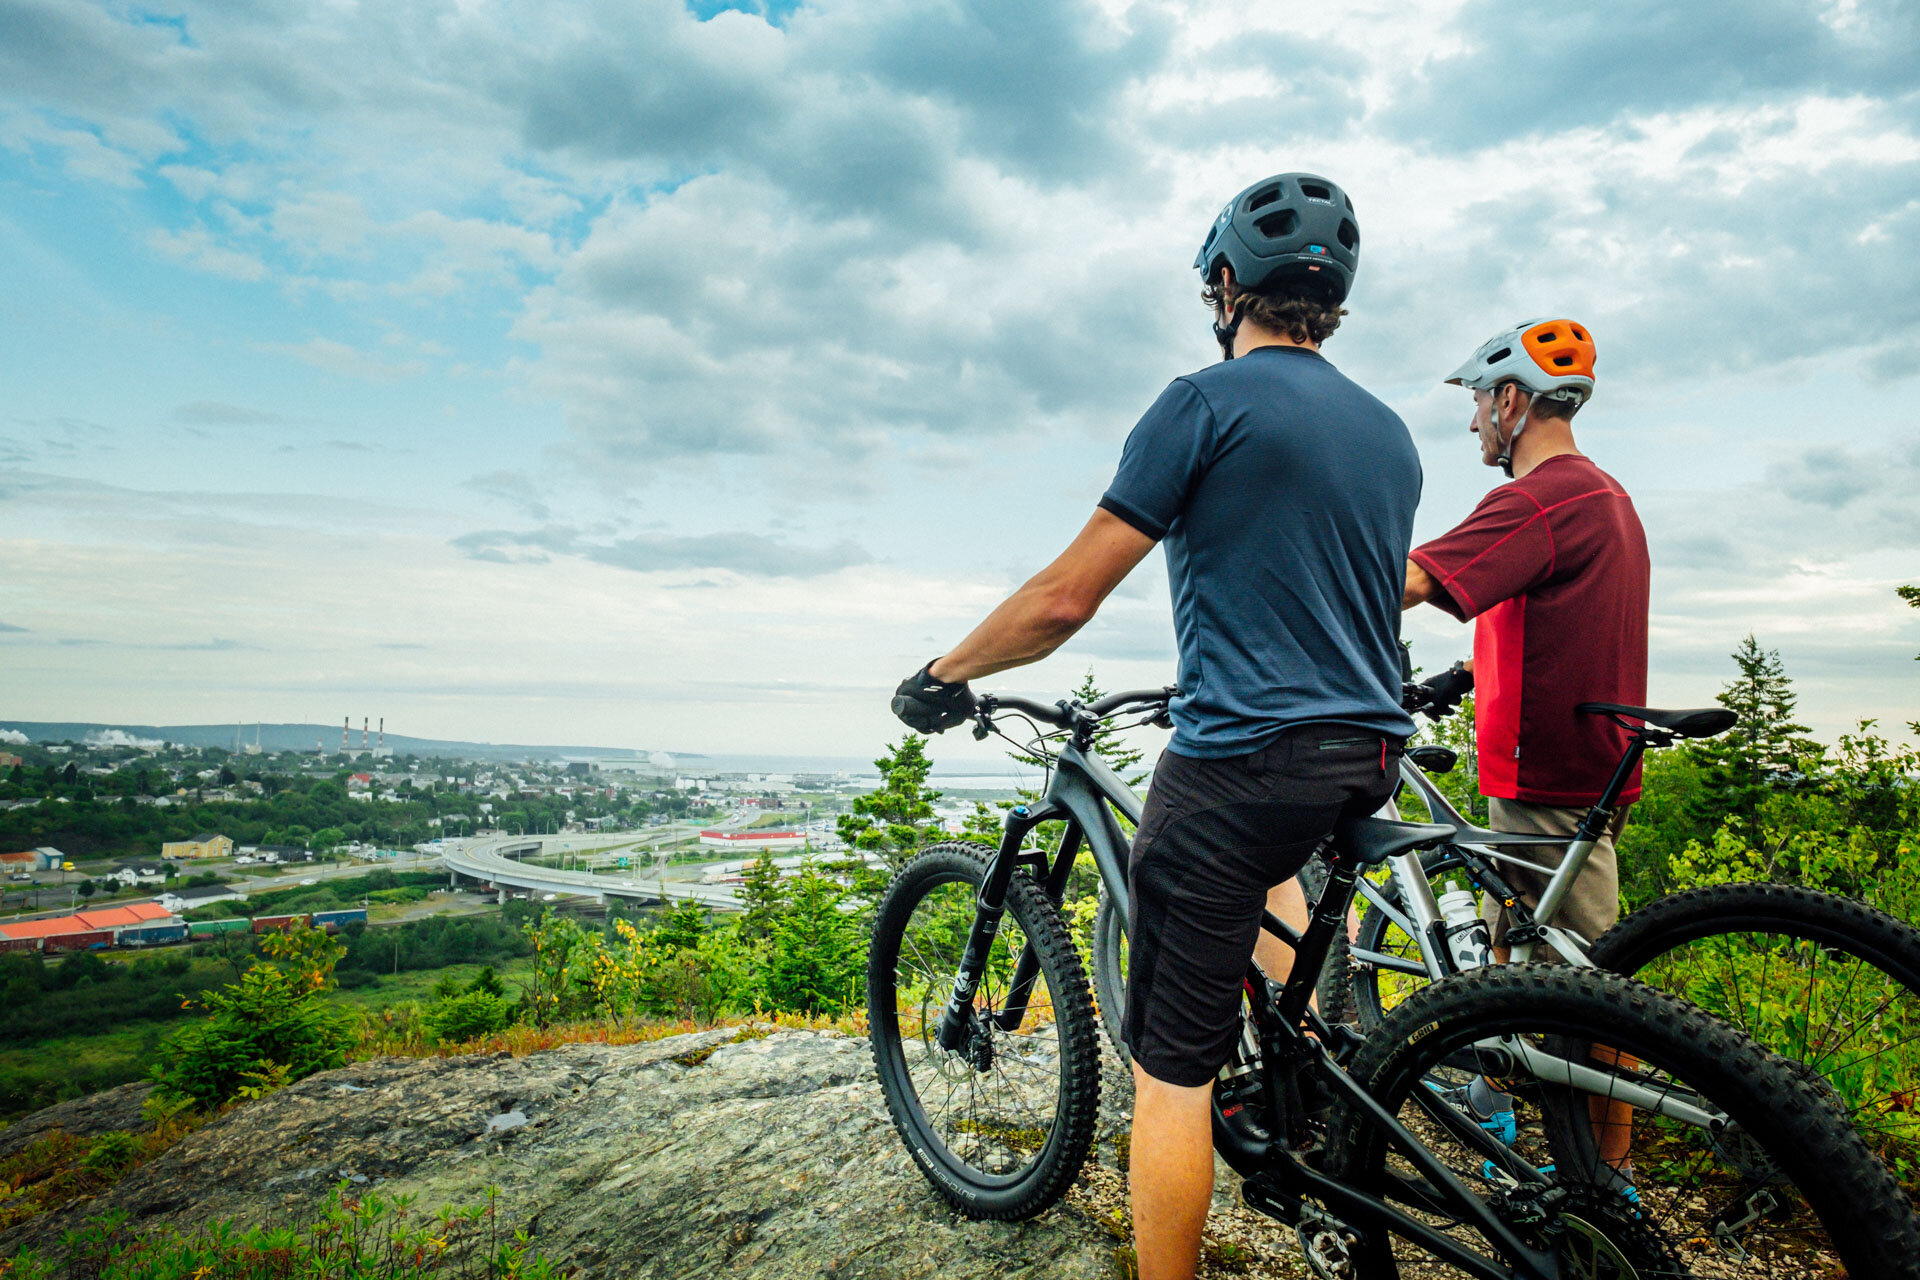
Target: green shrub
[
  {"x": 469, "y": 1016},
  {"x": 374, "y": 1237},
  {"x": 274, "y": 1016},
  {"x": 111, "y": 1152}
]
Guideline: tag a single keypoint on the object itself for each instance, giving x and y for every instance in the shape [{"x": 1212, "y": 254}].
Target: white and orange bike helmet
[{"x": 1552, "y": 359}]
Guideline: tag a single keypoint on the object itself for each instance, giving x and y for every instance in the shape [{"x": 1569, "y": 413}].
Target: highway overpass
[{"x": 495, "y": 861}]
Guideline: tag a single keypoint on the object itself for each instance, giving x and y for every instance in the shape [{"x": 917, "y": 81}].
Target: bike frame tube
[{"x": 1083, "y": 786}]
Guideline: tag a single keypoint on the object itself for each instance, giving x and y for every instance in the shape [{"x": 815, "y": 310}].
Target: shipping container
[
  {"x": 265, "y": 924},
  {"x": 19, "y": 944},
  {"x": 79, "y": 941},
  {"x": 207, "y": 928},
  {"x": 149, "y": 934},
  {"x": 332, "y": 920}
]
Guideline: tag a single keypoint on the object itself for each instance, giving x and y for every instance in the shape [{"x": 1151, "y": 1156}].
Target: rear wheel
[
  {"x": 1002, "y": 1125},
  {"x": 1826, "y": 982},
  {"x": 1778, "y": 1186},
  {"x": 1371, "y": 988}
]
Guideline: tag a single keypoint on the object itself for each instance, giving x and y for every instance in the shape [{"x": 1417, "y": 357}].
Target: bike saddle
[
  {"x": 1374, "y": 840},
  {"x": 1702, "y": 722}
]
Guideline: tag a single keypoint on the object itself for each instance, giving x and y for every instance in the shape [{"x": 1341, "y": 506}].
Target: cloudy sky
[{"x": 681, "y": 375}]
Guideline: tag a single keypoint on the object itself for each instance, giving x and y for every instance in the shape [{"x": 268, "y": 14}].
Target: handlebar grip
[
  {"x": 1114, "y": 701},
  {"x": 1052, "y": 715}
]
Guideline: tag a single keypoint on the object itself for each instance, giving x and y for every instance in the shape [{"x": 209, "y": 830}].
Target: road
[{"x": 491, "y": 859}]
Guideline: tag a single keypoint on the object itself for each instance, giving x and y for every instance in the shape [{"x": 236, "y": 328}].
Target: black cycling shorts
[{"x": 1215, "y": 836}]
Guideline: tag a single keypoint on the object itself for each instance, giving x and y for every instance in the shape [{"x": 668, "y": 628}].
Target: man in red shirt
[{"x": 1553, "y": 570}]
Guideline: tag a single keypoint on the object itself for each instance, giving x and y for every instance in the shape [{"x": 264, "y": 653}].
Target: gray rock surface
[
  {"x": 83, "y": 1117},
  {"x": 686, "y": 1157}
]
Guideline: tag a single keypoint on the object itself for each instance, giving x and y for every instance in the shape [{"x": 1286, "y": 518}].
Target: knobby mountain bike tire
[
  {"x": 1825, "y": 981},
  {"x": 1836, "y": 1210},
  {"x": 1002, "y": 1126}
]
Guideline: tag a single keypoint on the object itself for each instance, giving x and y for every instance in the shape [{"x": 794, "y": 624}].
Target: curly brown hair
[{"x": 1304, "y": 316}]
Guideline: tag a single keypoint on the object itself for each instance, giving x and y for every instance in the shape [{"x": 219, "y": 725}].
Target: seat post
[{"x": 1600, "y": 816}]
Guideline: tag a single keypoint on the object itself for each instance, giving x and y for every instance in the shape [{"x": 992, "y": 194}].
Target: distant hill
[{"x": 303, "y": 737}]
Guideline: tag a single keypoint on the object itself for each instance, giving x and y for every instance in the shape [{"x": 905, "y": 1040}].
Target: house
[
  {"x": 15, "y": 862},
  {"x": 8, "y": 760},
  {"x": 181, "y": 901},
  {"x": 207, "y": 844},
  {"x": 132, "y": 873},
  {"x": 51, "y": 859}
]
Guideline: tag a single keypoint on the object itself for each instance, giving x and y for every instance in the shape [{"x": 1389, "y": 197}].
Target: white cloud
[{"x": 199, "y": 249}]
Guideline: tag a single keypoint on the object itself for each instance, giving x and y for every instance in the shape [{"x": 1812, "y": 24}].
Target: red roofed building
[{"x": 87, "y": 921}]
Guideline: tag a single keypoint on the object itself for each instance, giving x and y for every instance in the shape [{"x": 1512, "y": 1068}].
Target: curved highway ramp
[{"x": 495, "y": 861}]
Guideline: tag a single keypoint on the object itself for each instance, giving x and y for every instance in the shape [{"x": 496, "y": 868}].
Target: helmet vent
[
  {"x": 1577, "y": 333},
  {"x": 1562, "y": 362},
  {"x": 1500, "y": 355},
  {"x": 1263, "y": 198},
  {"x": 1544, "y": 338},
  {"x": 1314, "y": 191},
  {"x": 1278, "y": 225},
  {"x": 1349, "y": 200},
  {"x": 1349, "y": 234}
]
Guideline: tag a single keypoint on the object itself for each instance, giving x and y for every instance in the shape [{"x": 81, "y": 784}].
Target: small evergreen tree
[
  {"x": 895, "y": 818},
  {"x": 763, "y": 897},
  {"x": 681, "y": 926},
  {"x": 1765, "y": 752},
  {"x": 818, "y": 951}
]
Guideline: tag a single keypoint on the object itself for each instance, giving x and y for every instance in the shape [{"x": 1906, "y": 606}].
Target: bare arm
[
  {"x": 1056, "y": 602},
  {"x": 1420, "y": 587}
]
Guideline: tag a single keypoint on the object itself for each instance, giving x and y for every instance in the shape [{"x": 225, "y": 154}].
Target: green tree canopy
[
  {"x": 1766, "y": 751},
  {"x": 895, "y": 818}
]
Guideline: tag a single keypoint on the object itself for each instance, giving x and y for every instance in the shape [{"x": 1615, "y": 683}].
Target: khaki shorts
[{"x": 1593, "y": 905}]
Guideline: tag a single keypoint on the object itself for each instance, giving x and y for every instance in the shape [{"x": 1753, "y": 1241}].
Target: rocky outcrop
[
  {"x": 88, "y": 1117},
  {"x": 699, "y": 1155}
]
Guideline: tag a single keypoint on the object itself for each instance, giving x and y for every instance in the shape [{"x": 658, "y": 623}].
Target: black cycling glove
[
  {"x": 928, "y": 705},
  {"x": 1445, "y": 690}
]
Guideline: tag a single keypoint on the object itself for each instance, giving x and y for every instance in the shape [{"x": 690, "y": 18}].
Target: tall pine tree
[
  {"x": 895, "y": 818},
  {"x": 1766, "y": 751},
  {"x": 763, "y": 896}
]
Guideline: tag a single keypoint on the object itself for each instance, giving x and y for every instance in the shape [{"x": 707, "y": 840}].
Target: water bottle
[{"x": 1467, "y": 938}]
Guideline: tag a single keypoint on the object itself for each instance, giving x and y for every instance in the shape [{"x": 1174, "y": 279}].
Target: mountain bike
[
  {"x": 1827, "y": 982},
  {"x": 984, "y": 1037}
]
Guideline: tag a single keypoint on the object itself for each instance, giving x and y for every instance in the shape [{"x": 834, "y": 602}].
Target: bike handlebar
[{"x": 1061, "y": 714}]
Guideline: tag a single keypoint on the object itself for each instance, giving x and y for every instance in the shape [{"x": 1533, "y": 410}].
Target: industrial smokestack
[
  {"x": 345, "y": 724},
  {"x": 383, "y": 733},
  {"x": 363, "y": 733}
]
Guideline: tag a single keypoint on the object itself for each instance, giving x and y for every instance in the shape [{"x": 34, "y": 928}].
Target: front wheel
[
  {"x": 1740, "y": 1167},
  {"x": 1002, "y": 1125}
]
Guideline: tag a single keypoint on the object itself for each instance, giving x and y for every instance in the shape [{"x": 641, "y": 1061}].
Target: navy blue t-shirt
[{"x": 1284, "y": 495}]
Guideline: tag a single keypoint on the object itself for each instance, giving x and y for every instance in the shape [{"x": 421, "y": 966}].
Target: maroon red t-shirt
[{"x": 1554, "y": 567}]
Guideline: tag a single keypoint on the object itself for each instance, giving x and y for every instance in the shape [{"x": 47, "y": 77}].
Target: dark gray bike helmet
[{"x": 1293, "y": 227}]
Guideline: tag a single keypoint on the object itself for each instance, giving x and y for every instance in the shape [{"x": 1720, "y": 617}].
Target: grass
[
  {"x": 370, "y": 1237},
  {"x": 69, "y": 1066},
  {"x": 390, "y": 990}
]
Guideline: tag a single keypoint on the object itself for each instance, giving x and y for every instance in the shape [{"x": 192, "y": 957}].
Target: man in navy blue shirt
[{"x": 1284, "y": 496}]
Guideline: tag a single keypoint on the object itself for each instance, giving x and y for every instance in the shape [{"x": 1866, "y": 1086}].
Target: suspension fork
[
  {"x": 1027, "y": 971},
  {"x": 956, "y": 1021}
]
